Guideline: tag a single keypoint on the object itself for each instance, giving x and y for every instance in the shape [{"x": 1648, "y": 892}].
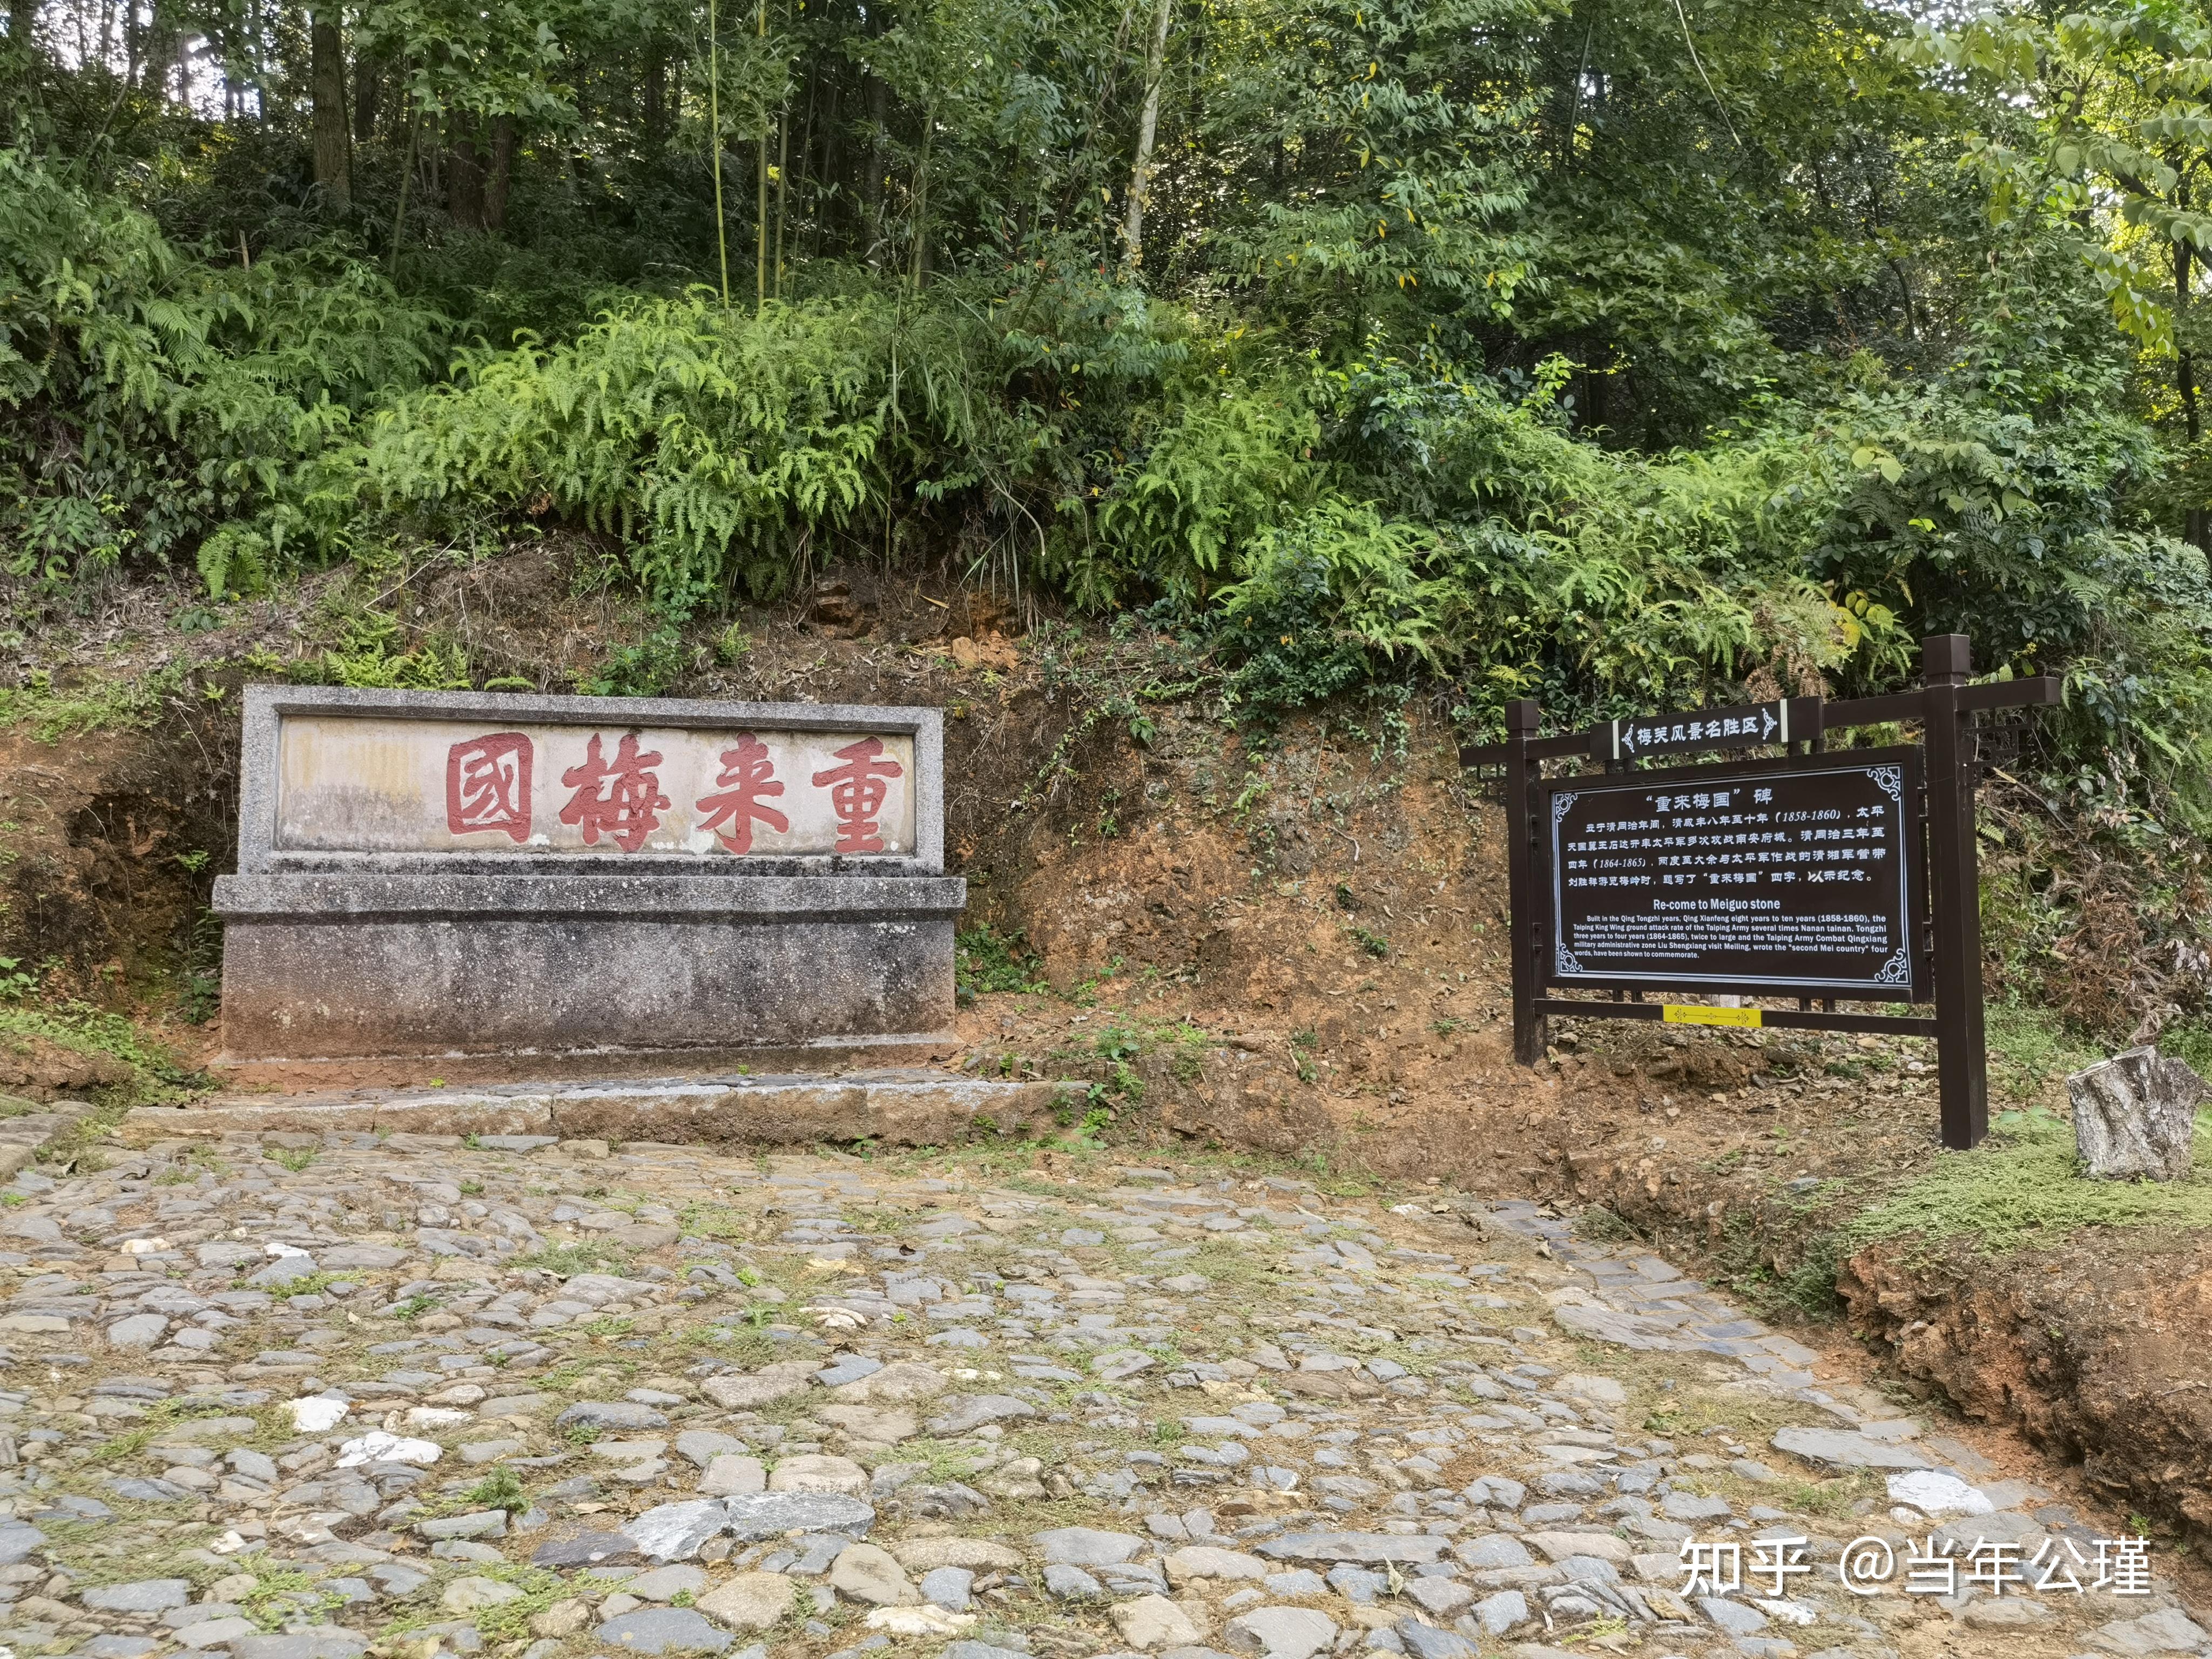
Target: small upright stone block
[{"x": 2134, "y": 1115}]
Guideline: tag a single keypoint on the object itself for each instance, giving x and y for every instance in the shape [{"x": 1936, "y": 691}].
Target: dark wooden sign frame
[{"x": 1943, "y": 904}]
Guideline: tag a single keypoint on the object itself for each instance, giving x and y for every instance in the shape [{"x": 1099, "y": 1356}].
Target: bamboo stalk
[{"x": 715, "y": 144}]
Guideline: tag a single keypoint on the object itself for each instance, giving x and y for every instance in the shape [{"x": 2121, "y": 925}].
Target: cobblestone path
[{"x": 306, "y": 1397}]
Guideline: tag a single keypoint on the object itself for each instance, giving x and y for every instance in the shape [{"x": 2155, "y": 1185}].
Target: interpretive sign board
[
  {"x": 1789, "y": 877},
  {"x": 1815, "y": 877},
  {"x": 471, "y": 874}
]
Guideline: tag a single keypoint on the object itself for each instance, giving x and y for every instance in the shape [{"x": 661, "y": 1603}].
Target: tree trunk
[
  {"x": 1133, "y": 229},
  {"x": 465, "y": 173},
  {"x": 782, "y": 190},
  {"x": 501, "y": 172},
  {"x": 326, "y": 79},
  {"x": 921, "y": 196},
  {"x": 2185, "y": 382},
  {"x": 872, "y": 187},
  {"x": 654, "y": 99},
  {"x": 826, "y": 178},
  {"x": 368, "y": 83}
]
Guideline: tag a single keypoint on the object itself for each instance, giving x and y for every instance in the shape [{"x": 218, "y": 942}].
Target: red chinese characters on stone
[
  {"x": 748, "y": 775},
  {"x": 856, "y": 793},
  {"x": 620, "y": 801},
  {"x": 488, "y": 785}
]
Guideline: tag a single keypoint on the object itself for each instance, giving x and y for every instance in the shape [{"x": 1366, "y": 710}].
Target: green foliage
[
  {"x": 2021, "y": 1187},
  {"x": 156, "y": 1077},
  {"x": 500, "y": 1490},
  {"x": 147, "y": 398},
  {"x": 985, "y": 960},
  {"x": 1622, "y": 360}
]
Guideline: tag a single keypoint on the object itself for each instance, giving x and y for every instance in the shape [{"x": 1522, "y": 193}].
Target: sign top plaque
[{"x": 1741, "y": 726}]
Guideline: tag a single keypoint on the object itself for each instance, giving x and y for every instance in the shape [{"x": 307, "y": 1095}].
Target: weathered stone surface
[
  {"x": 770, "y": 1515},
  {"x": 948, "y": 1587},
  {"x": 673, "y": 1532},
  {"x": 2167, "y": 1631},
  {"x": 1497, "y": 1550},
  {"x": 1353, "y": 1546},
  {"x": 1935, "y": 1493},
  {"x": 1151, "y": 1623},
  {"x": 586, "y": 1549},
  {"x": 466, "y": 1595},
  {"x": 751, "y": 1600},
  {"x": 732, "y": 1476},
  {"x": 1208, "y": 1561},
  {"x": 818, "y": 1472},
  {"x": 1844, "y": 1449},
  {"x": 752, "y": 1390},
  {"x": 145, "y": 1595},
  {"x": 876, "y": 1425},
  {"x": 663, "y": 1630},
  {"x": 701, "y": 1447},
  {"x": 316, "y": 1641},
  {"x": 2134, "y": 1115},
  {"x": 612, "y": 1414},
  {"x": 563, "y": 1617},
  {"x": 1280, "y": 1633},
  {"x": 477, "y": 1523},
  {"x": 1085, "y": 1547},
  {"x": 1734, "y": 1617},
  {"x": 865, "y": 1572},
  {"x": 966, "y": 1415},
  {"x": 1440, "y": 1598},
  {"x": 1427, "y": 1642},
  {"x": 1070, "y": 1584},
  {"x": 977, "y": 1554},
  {"x": 1501, "y": 1613}
]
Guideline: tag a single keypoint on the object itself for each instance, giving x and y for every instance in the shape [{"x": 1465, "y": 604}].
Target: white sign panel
[{"x": 363, "y": 785}]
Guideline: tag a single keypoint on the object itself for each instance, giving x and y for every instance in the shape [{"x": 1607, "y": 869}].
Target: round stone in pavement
[{"x": 663, "y": 1630}]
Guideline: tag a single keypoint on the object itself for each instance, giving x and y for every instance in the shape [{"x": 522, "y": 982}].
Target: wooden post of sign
[
  {"x": 1954, "y": 887},
  {"x": 1525, "y": 929}
]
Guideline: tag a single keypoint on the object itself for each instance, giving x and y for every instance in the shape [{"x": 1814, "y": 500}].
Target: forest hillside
[{"x": 1621, "y": 356}]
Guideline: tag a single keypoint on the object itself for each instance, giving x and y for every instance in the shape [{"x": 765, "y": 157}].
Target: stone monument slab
[{"x": 468, "y": 873}]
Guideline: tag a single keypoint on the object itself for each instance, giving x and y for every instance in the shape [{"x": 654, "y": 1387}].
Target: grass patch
[
  {"x": 161, "y": 1415},
  {"x": 129, "y": 702},
  {"x": 985, "y": 961},
  {"x": 569, "y": 1259},
  {"x": 2030, "y": 1053},
  {"x": 156, "y": 1078},
  {"x": 2020, "y": 1188}
]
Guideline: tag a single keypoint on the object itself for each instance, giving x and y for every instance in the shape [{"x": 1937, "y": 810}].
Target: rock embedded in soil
[{"x": 2134, "y": 1115}]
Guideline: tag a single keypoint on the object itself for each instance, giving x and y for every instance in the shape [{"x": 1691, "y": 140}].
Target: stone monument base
[{"x": 328, "y": 966}]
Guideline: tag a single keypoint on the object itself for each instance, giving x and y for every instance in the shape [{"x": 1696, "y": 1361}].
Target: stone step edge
[
  {"x": 23, "y": 1137},
  {"x": 903, "y": 1112}
]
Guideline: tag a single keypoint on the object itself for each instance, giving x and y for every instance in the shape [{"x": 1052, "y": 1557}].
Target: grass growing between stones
[{"x": 2020, "y": 1188}]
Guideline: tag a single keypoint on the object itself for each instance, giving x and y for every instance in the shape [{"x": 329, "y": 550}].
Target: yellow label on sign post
[{"x": 1684, "y": 1014}]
